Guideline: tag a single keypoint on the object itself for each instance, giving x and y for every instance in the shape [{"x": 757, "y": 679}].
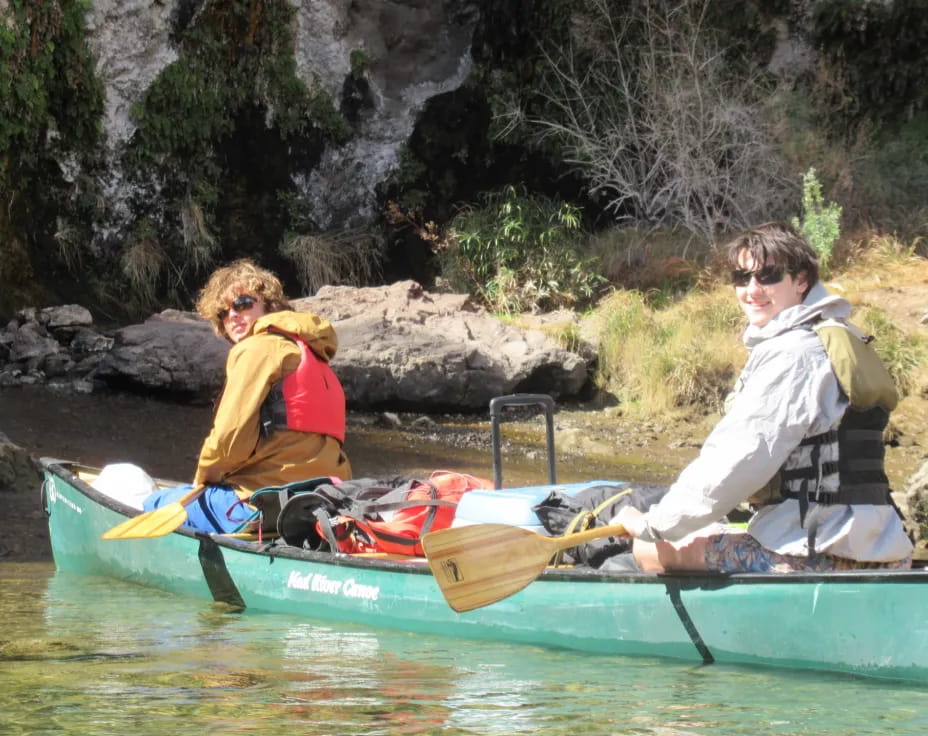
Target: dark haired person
[
  {"x": 281, "y": 416},
  {"x": 801, "y": 438}
]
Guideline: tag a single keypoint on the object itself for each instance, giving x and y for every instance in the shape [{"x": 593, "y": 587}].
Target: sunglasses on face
[
  {"x": 766, "y": 276},
  {"x": 239, "y": 304}
]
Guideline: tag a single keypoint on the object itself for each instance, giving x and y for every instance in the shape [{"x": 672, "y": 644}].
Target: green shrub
[
  {"x": 520, "y": 252},
  {"x": 821, "y": 222}
]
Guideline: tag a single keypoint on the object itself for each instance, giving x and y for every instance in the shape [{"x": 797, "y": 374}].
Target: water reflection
[{"x": 90, "y": 656}]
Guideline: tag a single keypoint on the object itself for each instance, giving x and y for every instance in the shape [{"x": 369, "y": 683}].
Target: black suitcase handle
[{"x": 497, "y": 404}]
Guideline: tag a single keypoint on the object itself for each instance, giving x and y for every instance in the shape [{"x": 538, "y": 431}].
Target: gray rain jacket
[{"x": 786, "y": 392}]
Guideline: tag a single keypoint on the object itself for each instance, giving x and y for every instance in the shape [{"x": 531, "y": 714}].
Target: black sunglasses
[
  {"x": 239, "y": 304},
  {"x": 766, "y": 276}
]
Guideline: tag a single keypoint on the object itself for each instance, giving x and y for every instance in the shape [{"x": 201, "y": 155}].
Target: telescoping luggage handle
[{"x": 497, "y": 405}]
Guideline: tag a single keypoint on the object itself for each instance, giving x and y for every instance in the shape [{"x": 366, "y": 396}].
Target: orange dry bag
[{"x": 429, "y": 505}]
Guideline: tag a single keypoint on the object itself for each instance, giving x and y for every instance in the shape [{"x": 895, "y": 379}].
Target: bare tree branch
[{"x": 642, "y": 105}]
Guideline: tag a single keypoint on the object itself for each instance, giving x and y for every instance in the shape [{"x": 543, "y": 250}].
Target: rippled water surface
[{"x": 89, "y": 656}]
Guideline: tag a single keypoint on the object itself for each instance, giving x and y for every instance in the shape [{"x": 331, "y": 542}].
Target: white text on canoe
[{"x": 319, "y": 583}]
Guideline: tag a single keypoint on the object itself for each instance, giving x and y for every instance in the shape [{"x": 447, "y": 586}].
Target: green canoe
[{"x": 866, "y": 623}]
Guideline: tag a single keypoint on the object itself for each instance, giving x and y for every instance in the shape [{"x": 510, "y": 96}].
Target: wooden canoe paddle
[
  {"x": 480, "y": 564},
  {"x": 157, "y": 522}
]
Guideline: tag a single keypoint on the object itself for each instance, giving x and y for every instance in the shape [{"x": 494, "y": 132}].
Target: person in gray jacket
[{"x": 801, "y": 439}]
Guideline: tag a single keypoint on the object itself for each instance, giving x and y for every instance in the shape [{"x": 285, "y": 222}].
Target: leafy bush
[
  {"x": 520, "y": 252},
  {"x": 821, "y": 223},
  {"x": 892, "y": 178},
  {"x": 879, "y": 48}
]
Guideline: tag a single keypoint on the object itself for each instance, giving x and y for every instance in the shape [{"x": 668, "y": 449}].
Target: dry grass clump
[
  {"x": 874, "y": 260},
  {"x": 142, "y": 264},
  {"x": 200, "y": 246},
  {"x": 661, "y": 360},
  {"x": 349, "y": 257}
]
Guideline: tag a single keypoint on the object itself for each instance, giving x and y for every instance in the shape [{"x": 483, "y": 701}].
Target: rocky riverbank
[{"x": 400, "y": 347}]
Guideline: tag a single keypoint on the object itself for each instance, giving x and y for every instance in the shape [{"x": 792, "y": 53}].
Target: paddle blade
[
  {"x": 156, "y": 523},
  {"x": 480, "y": 564}
]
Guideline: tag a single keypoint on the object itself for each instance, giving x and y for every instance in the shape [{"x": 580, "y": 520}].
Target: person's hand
[{"x": 632, "y": 519}]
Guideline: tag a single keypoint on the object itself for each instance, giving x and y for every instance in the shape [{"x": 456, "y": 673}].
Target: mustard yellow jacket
[{"x": 235, "y": 452}]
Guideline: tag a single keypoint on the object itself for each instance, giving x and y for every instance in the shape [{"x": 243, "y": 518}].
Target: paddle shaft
[
  {"x": 187, "y": 498},
  {"x": 572, "y": 540}
]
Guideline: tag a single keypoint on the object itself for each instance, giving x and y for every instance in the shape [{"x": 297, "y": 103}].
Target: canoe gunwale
[{"x": 418, "y": 566}]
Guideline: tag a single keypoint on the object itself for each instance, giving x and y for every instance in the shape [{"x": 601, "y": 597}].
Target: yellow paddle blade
[
  {"x": 155, "y": 523},
  {"x": 480, "y": 564}
]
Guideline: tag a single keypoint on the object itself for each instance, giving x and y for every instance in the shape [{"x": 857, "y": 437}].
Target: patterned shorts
[{"x": 740, "y": 552}]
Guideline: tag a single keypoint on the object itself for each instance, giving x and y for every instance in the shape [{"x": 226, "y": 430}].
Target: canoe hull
[{"x": 866, "y": 623}]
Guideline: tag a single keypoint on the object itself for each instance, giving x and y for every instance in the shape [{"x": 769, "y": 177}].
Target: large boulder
[
  {"x": 402, "y": 346},
  {"x": 26, "y": 536},
  {"x": 172, "y": 352},
  {"x": 19, "y": 473}
]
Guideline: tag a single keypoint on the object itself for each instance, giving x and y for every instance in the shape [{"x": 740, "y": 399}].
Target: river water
[{"x": 88, "y": 656}]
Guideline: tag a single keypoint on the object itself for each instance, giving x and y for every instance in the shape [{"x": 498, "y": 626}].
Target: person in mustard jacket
[{"x": 281, "y": 415}]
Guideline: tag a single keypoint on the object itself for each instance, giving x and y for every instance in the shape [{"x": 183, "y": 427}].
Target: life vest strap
[{"x": 864, "y": 493}]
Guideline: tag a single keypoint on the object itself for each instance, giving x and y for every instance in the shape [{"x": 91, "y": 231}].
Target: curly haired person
[{"x": 281, "y": 415}]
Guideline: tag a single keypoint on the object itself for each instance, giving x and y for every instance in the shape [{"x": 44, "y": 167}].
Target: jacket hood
[
  {"x": 315, "y": 331},
  {"x": 818, "y": 304}
]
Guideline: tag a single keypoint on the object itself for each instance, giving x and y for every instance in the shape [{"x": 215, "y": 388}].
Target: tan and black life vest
[{"x": 845, "y": 465}]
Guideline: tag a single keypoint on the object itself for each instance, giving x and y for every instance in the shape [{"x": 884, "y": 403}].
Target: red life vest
[{"x": 310, "y": 399}]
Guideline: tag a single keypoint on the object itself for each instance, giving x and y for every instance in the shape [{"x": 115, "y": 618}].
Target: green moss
[
  {"x": 360, "y": 62},
  {"x": 19, "y": 285},
  {"x": 235, "y": 56},
  {"x": 51, "y": 107},
  {"x": 232, "y": 97},
  {"x": 47, "y": 83},
  {"x": 407, "y": 181}
]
